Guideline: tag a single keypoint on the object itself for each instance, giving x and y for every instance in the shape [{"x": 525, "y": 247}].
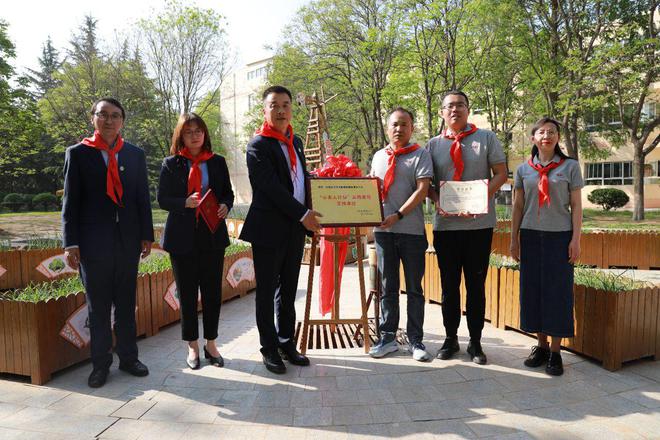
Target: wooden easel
[{"x": 335, "y": 239}]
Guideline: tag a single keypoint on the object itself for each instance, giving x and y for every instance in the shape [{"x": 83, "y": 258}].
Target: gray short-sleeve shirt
[
  {"x": 480, "y": 150},
  {"x": 562, "y": 181},
  {"x": 409, "y": 168}
]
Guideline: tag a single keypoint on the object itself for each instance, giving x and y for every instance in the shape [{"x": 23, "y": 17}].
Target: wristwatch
[{"x": 398, "y": 214}]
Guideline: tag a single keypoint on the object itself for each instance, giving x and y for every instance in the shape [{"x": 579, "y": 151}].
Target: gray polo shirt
[
  {"x": 561, "y": 181},
  {"x": 480, "y": 150},
  {"x": 409, "y": 168}
]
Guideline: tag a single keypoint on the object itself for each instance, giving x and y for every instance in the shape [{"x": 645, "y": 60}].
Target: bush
[
  {"x": 608, "y": 198},
  {"x": 44, "y": 201},
  {"x": 13, "y": 201}
]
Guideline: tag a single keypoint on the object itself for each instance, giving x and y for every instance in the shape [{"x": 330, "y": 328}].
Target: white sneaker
[
  {"x": 419, "y": 352},
  {"x": 381, "y": 349}
]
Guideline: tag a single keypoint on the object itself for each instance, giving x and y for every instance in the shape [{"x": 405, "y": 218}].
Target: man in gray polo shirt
[
  {"x": 406, "y": 170},
  {"x": 462, "y": 243}
]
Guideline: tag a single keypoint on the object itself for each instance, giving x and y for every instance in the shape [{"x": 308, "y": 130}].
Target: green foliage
[
  {"x": 45, "y": 201},
  {"x": 13, "y": 201},
  {"x": 47, "y": 290},
  {"x": 608, "y": 198},
  {"x": 43, "y": 243},
  {"x": 156, "y": 263},
  {"x": 608, "y": 281}
]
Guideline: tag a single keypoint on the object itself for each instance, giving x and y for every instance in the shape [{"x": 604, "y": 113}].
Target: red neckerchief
[
  {"x": 543, "y": 185},
  {"x": 195, "y": 174},
  {"x": 113, "y": 187},
  {"x": 391, "y": 165},
  {"x": 267, "y": 131},
  {"x": 455, "y": 152}
]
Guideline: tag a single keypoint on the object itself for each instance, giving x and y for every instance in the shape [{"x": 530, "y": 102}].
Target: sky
[{"x": 251, "y": 23}]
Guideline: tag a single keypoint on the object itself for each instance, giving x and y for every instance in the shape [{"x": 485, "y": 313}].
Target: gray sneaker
[
  {"x": 419, "y": 352},
  {"x": 383, "y": 348}
]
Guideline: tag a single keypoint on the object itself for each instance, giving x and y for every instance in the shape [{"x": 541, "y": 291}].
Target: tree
[
  {"x": 49, "y": 63},
  {"x": 188, "y": 53}
]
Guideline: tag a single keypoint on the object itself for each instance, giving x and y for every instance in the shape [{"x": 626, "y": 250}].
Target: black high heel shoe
[{"x": 215, "y": 361}]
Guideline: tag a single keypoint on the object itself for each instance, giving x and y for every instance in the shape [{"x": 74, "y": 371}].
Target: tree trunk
[{"x": 638, "y": 181}]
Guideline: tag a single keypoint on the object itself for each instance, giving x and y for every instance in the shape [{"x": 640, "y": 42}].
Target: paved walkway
[{"x": 344, "y": 394}]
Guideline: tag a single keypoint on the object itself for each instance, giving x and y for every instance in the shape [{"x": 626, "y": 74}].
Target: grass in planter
[
  {"x": 43, "y": 243},
  {"x": 156, "y": 263},
  {"x": 609, "y": 281},
  {"x": 236, "y": 246},
  {"x": 46, "y": 290},
  {"x": 5, "y": 244},
  {"x": 498, "y": 260}
]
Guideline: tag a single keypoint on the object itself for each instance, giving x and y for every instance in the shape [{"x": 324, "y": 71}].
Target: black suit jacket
[
  {"x": 274, "y": 213},
  {"x": 178, "y": 236},
  {"x": 89, "y": 216}
]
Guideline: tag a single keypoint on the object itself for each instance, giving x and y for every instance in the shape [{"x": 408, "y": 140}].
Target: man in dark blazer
[
  {"x": 107, "y": 225},
  {"x": 276, "y": 225}
]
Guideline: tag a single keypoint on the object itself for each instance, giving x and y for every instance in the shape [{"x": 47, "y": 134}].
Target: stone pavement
[{"x": 344, "y": 394}]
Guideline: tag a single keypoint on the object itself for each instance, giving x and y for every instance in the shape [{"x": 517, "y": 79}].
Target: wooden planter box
[
  {"x": 238, "y": 275},
  {"x": 11, "y": 276},
  {"x": 612, "y": 327},
  {"x": 37, "y": 338},
  {"x": 40, "y": 265}
]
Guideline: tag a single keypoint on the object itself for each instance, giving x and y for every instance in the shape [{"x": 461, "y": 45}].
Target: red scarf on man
[
  {"x": 543, "y": 186},
  {"x": 195, "y": 174},
  {"x": 391, "y": 165},
  {"x": 113, "y": 187},
  {"x": 267, "y": 131},
  {"x": 455, "y": 152}
]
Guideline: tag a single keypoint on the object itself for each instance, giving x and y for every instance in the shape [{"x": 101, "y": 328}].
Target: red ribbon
[
  {"x": 195, "y": 174},
  {"x": 455, "y": 152},
  {"x": 391, "y": 165},
  {"x": 267, "y": 131},
  {"x": 543, "y": 185},
  {"x": 113, "y": 187}
]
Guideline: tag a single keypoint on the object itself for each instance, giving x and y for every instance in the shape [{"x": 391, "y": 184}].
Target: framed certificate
[
  {"x": 346, "y": 201},
  {"x": 468, "y": 197}
]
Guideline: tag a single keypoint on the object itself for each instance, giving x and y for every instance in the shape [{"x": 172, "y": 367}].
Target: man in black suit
[
  {"x": 107, "y": 225},
  {"x": 276, "y": 225}
]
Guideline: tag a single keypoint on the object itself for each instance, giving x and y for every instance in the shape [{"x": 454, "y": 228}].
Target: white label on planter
[
  {"x": 242, "y": 269},
  {"x": 154, "y": 254},
  {"x": 240, "y": 228},
  {"x": 171, "y": 296},
  {"x": 231, "y": 227},
  {"x": 2, "y": 271},
  {"x": 54, "y": 266},
  {"x": 76, "y": 328}
]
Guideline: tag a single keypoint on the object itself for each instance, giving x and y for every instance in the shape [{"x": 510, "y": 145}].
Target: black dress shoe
[
  {"x": 194, "y": 364},
  {"x": 98, "y": 377},
  {"x": 215, "y": 361},
  {"x": 136, "y": 368},
  {"x": 537, "y": 357},
  {"x": 555, "y": 365},
  {"x": 273, "y": 362},
  {"x": 477, "y": 354},
  {"x": 289, "y": 353},
  {"x": 449, "y": 348}
]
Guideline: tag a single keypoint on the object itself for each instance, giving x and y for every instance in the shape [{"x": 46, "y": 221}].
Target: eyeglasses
[
  {"x": 104, "y": 116},
  {"x": 456, "y": 105},
  {"x": 195, "y": 132},
  {"x": 550, "y": 133}
]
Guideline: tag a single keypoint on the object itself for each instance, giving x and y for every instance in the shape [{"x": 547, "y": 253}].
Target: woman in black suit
[{"x": 196, "y": 253}]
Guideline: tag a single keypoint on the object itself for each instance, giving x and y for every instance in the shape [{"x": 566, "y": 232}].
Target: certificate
[
  {"x": 468, "y": 197},
  {"x": 346, "y": 201}
]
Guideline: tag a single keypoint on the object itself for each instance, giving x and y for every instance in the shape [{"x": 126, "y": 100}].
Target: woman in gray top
[{"x": 545, "y": 238}]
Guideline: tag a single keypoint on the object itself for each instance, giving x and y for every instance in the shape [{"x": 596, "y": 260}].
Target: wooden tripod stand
[{"x": 335, "y": 239}]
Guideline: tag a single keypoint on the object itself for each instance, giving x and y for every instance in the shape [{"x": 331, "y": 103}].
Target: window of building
[
  {"x": 609, "y": 173},
  {"x": 257, "y": 73}
]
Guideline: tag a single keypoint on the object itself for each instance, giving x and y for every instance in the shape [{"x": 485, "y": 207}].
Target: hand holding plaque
[{"x": 459, "y": 198}]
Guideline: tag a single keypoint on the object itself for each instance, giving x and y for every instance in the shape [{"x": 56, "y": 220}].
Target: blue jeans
[{"x": 409, "y": 249}]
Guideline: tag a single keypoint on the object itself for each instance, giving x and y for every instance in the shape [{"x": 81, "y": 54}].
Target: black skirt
[{"x": 546, "y": 283}]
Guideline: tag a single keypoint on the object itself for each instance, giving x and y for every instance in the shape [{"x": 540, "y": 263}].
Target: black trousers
[
  {"x": 112, "y": 281},
  {"x": 467, "y": 252},
  {"x": 276, "y": 272},
  {"x": 199, "y": 271}
]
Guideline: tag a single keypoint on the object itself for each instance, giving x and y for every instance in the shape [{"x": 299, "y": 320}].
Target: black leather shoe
[
  {"x": 449, "y": 348},
  {"x": 98, "y": 377},
  {"x": 289, "y": 353},
  {"x": 215, "y": 361},
  {"x": 273, "y": 362},
  {"x": 136, "y": 368},
  {"x": 477, "y": 354},
  {"x": 555, "y": 365},
  {"x": 194, "y": 364},
  {"x": 537, "y": 357}
]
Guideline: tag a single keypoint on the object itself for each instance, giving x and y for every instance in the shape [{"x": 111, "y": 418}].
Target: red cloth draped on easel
[{"x": 335, "y": 166}]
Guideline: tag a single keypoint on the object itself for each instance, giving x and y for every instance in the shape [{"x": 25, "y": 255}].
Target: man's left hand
[
  {"x": 146, "y": 248},
  {"x": 223, "y": 211},
  {"x": 389, "y": 221}
]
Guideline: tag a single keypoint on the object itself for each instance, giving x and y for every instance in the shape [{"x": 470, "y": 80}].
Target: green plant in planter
[
  {"x": 36, "y": 242},
  {"x": 605, "y": 280},
  {"x": 46, "y": 290},
  {"x": 236, "y": 246},
  {"x": 155, "y": 264},
  {"x": 498, "y": 260}
]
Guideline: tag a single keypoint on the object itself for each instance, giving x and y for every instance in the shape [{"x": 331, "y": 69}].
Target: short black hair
[
  {"x": 112, "y": 101},
  {"x": 276, "y": 89},
  {"x": 455, "y": 92},
  {"x": 402, "y": 110}
]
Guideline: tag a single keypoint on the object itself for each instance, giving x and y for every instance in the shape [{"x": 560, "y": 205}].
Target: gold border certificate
[
  {"x": 468, "y": 197},
  {"x": 346, "y": 201}
]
